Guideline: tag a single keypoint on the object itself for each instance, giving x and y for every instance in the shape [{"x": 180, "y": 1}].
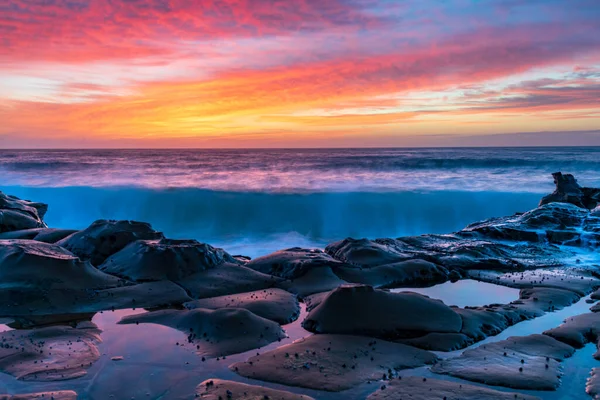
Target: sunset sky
[{"x": 264, "y": 73}]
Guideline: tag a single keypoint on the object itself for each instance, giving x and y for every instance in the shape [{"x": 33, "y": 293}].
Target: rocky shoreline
[{"x": 53, "y": 281}]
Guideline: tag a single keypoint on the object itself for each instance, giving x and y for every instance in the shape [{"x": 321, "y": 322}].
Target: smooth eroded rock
[
  {"x": 332, "y": 362},
  {"x": 164, "y": 259},
  {"x": 417, "y": 388},
  {"x": 273, "y": 304},
  {"x": 527, "y": 363},
  {"x": 215, "y": 389},
  {"x": 48, "y": 354},
  {"x": 216, "y": 333},
  {"x": 363, "y": 310},
  {"x": 17, "y": 214},
  {"x": 103, "y": 238},
  {"x": 293, "y": 263}
]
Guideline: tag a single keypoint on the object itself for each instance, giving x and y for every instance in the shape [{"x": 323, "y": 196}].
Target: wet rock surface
[
  {"x": 164, "y": 259},
  {"x": 416, "y": 388},
  {"x": 378, "y": 313},
  {"x": 529, "y": 362},
  {"x": 216, "y": 333},
  {"x": 215, "y": 389},
  {"x": 592, "y": 386},
  {"x": 103, "y": 238},
  {"x": 332, "y": 362},
  {"x": 53, "y": 281},
  {"x": 17, "y": 214},
  {"x": 59, "y": 395},
  {"x": 273, "y": 304},
  {"x": 48, "y": 354},
  {"x": 569, "y": 191},
  {"x": 293, "y": 263}
]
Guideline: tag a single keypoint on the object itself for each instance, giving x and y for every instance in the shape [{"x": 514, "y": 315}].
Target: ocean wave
[{"x": 256, "y": 223}]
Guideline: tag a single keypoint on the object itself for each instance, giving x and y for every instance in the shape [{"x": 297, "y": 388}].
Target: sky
[{"x": 298, "y": 73}]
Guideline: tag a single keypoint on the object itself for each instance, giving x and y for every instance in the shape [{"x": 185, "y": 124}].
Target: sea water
[{"x": 256, "y": 201}]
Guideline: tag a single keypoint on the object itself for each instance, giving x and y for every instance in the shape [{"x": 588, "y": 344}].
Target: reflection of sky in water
[
  {"x": 155, "y": 367},
  {"x": 467, "y": 292}
]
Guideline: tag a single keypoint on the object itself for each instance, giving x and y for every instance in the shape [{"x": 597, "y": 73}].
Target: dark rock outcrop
[
  {"x": 164, "y": 259},
  {"x": 104, "y": 238},
  {"x": 381, "y": 314},
  {"x": 569, "y": 191},
  {"x": 17, "y": 214}
]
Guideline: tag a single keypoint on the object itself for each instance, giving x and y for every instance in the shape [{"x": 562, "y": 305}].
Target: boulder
[
  {"x": 42, "y": 266},
  {"x": 216, "y": 333},
  {"x": 332, "y": 362},
  {"x": 104, "y": 238},
  {"x": 273, "y": 304},
  {"x": 314, "y": 281},
  {"x": 363, "y": 310},
  {"x": 215, "y": 389},
  {"x": 17, "y": 214},
  {"x": 569, "y": 191},
  {"x": 164, "y": 259},
  {"x": 368, "y": 253},
  {"x": 417, "y": 388}
]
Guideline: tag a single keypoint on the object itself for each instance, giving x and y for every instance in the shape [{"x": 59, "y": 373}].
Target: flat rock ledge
[
  {"x": 215, "y": 389},
  {"x": 332, "y": 362},
  {"x": 417, "y": 388}
]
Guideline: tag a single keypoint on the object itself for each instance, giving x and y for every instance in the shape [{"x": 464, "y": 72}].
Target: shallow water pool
[{"x": 467, "y": 292}]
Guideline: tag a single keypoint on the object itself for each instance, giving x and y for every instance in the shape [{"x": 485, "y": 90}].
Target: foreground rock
[
  {"x": 204, "y": 271},
  {"x": 39, "y": 278},
  {"x": 103, "y": 238},
  {"x": 381, "y": 314},
  {"x": 215, "y": 389},
  {"x": 216, "y": 333},
  {"x": 478, "y": 323},
  {"x": 60, "y": 395},
  {"x": 417, "y": 388},
  {"x": 569, "y": 191},
  {"x": 273, "y": 304},
  {"x": 592, "y": 386},
  {"x": 528, "y": 363},
  {"x": 332, "y": 362},
  {"x": 578, "y": 331},
  {"x": 42, "y": 266},
  {"x": 48, "y": 354},
  {"x": 17, "y": 214}
]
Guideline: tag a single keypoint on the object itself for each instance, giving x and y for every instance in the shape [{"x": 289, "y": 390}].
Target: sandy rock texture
[
  {"x": 417, "y": 388},
  {"x": 215, "y": 389},
  {"x": 332, "y": 362}
]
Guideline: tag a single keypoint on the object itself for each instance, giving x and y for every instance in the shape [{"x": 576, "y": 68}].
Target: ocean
[{"x": 253, "y": 202}]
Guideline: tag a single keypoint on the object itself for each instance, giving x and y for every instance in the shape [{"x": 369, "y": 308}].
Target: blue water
[{"x": 257, "y": 201}]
